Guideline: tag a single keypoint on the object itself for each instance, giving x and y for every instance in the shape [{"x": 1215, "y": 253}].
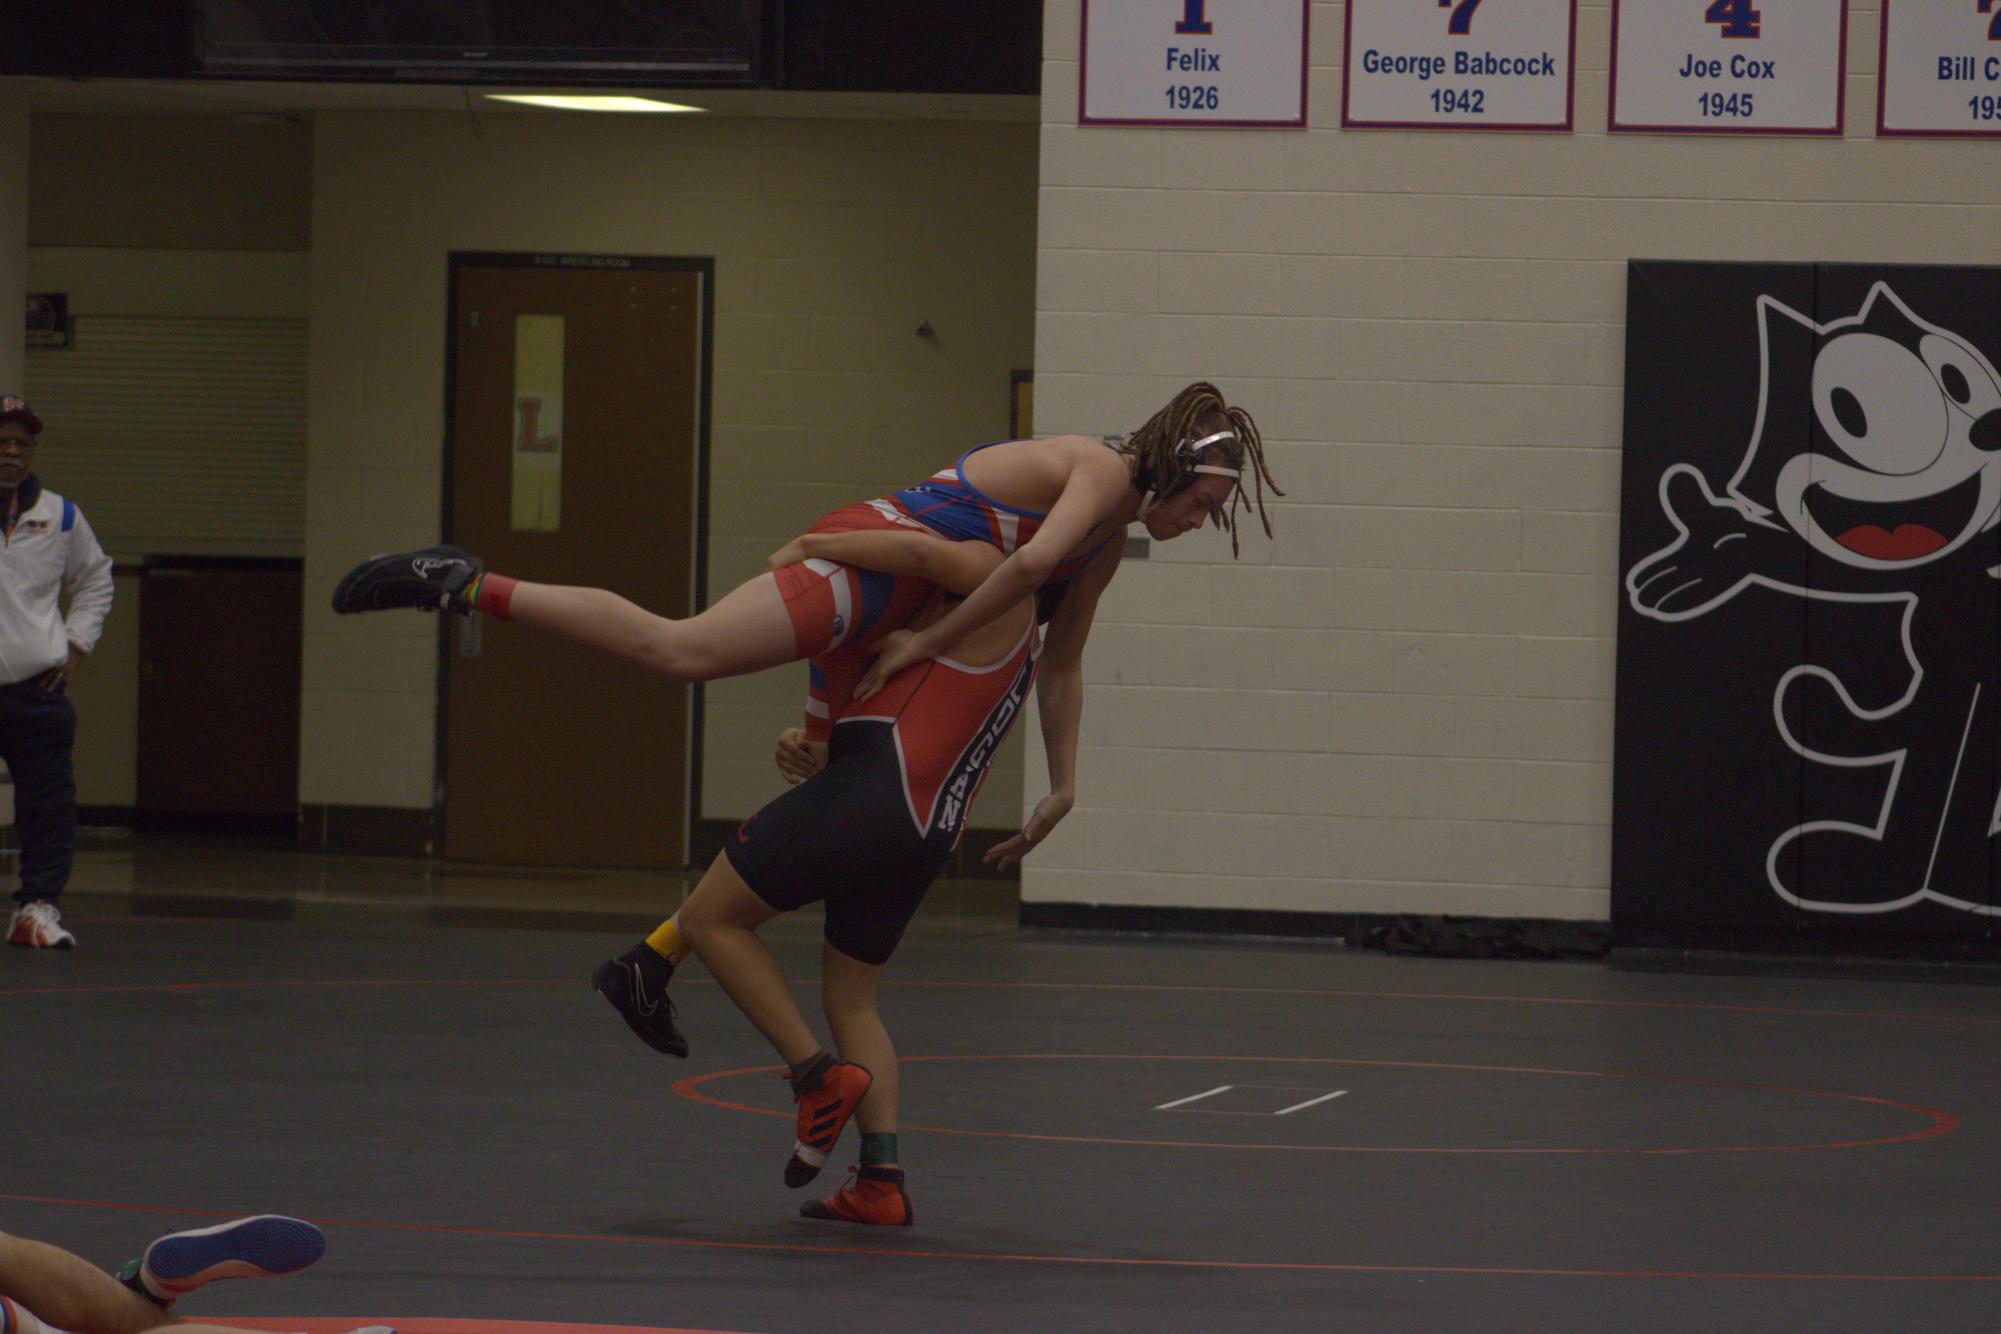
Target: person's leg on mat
[
  {"x": 635, "y": 983},
  {"x": 70, "y": 1293},
  {"x": 719, "y": 923},
  {"x": 848, "y": 995},
  {"x": 47, "y": 1290},
  {"x": 41, "y": 731},
  {"x": 667, "y": 942},
  {"x": 876, "y": 1193}
]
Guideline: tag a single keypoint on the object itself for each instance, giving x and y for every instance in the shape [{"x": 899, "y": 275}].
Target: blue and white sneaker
[{"x": 260, "y": 1247}]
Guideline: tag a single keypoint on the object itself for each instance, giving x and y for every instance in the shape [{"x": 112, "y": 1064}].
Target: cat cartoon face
[{"x": 1908, "y": 464}]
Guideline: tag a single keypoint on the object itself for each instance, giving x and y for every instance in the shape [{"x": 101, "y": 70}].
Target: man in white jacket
[{"x": 46, "y": 550}]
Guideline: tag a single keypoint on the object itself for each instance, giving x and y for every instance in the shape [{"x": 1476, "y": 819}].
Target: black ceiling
[{"x": 930, "y": 46}]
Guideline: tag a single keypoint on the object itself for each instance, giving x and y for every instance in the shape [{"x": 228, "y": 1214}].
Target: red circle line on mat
[
  {"x": 1321, "y": 993},
  {"x": 307, "y": 1324},
  {"x": 1009, "y": 1257},
  {"x": 1941, "y": 1123}
]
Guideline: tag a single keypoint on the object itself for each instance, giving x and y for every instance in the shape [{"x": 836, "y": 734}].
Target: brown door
[
  {"x": 575, "y": 431},
  {"x": 219, "y": 654}
]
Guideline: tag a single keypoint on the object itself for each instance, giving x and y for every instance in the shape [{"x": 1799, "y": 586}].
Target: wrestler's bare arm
[{"x": 958, "y": 567}]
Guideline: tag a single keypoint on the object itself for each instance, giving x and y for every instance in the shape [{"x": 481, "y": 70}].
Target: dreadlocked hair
[{"x": 1163, "y": 464}]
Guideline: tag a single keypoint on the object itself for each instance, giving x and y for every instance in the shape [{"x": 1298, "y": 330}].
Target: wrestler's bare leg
[
  {"x": 747, "y": 630},
  {"x": 70, "y": 1293}
]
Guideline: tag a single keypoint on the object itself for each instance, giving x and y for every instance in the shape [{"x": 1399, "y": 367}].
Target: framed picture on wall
[{"x": 48, "y": 319}]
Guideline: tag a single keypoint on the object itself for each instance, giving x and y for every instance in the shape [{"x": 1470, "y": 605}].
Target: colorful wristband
[{"x": 495, "y": 596}]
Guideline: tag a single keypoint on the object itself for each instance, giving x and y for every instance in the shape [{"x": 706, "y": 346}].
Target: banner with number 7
[
  {"x": 1941, "y": 70},
  {"x": 1460, "y": 65}
]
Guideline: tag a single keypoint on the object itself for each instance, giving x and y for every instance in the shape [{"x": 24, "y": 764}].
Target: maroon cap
[{"x": 15, "y": 408}]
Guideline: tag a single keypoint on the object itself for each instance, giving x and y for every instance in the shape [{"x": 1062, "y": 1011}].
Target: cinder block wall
[
  {"x": 1404, "y": 702},
  {"x": 833, "y": 240}
]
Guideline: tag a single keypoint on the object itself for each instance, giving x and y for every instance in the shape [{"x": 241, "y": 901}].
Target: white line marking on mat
[
  {"x": 1309, "y": 1102},
  {"x": 1196, "y": 1097}
]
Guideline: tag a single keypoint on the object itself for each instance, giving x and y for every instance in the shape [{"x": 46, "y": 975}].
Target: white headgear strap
[{"x": 1198, "y": 446}]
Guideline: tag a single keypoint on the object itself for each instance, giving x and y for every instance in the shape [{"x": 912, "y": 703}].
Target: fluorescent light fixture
[{"x": 588, "y": 103}]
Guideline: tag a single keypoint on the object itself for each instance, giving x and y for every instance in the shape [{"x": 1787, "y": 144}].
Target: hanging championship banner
[
  {"x": 1235, "y": 63},
  {"x": 1941, "y": 70},
  {"x": 1460, "y": 65},
  {"x": 1729, "y": 66}
]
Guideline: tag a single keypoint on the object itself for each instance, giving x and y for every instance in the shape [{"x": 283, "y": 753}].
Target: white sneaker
[{"x": 38, "y": 926}]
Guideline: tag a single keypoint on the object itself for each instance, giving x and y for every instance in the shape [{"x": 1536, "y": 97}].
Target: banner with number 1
[{"x": 1193, "y": 62}]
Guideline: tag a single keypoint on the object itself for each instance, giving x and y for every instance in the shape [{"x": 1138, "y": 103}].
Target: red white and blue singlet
[
  {"x": 833, "y": 606},
  {"x": 951, "y": 506}
]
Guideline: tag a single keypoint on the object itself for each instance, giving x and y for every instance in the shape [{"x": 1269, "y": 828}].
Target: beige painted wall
[
  {"x": 14, "y": 176},
  {"x": 192, "y": 217},
  {"x": 119, "y": 281},
  {"x": 190, "y": 284},
  {"x": 1405, "y": 702},
  {"x": 169, "y": 182},
  {"x": 832, "y": 241},
  {"x": 106, "y": 695}
]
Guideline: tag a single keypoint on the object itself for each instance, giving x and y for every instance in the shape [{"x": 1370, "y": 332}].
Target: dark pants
[{"x": 37, "y": 730}]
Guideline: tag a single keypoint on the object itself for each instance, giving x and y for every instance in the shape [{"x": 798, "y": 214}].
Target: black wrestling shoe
[
  {"x": 434, "y": 579},
  {"x": 628, "y": 982}
]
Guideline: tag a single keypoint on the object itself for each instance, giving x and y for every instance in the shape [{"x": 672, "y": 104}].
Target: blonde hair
[{"x": 1164, "y": 464}]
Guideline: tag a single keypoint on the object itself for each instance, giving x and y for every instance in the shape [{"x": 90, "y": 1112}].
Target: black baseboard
[
  {"x": 1114, "y": 917},
  {"x": 706, "y": 839},
  {"x": 1820, "y": 953},
  {"x": 250, "y": 824},
  {"x": 1832, "y": 966},
  {"x": 379, "y": 831},
  {"x": 1683, "y": 949},
  {"x": 1453, "y": 937}
]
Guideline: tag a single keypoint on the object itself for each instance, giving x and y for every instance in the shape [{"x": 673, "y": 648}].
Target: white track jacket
[{"x": 50, "y": 551}]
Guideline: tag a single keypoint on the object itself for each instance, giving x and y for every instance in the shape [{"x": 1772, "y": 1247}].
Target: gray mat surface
[{"x": 1515, "y": 1146}]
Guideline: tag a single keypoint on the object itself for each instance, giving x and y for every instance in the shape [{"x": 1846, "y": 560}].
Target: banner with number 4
[{"x": 1728, "y": 66}]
